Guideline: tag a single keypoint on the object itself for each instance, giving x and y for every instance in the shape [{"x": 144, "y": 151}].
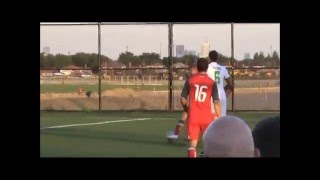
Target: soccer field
[
  {"x": 71, "y": 86},
  {"x": 117, "y": 133}
]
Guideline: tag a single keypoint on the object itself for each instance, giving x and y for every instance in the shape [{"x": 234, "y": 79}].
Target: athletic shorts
[{"x": 195, "y": 128}]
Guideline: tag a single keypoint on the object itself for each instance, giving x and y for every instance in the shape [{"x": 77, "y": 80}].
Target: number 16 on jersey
[{"x": 200, "y": 96}]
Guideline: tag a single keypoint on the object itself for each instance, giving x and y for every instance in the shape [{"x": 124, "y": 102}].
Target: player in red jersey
[
  {"x": 172, "y": 135},
  {"x": 201, "y": 90}
]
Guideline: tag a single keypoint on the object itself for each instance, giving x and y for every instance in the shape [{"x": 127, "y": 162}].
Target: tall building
[
  {"x": 205, "y": 48},
  {"x": 247, "y": 56},
  {"x": 179, "y": 50},
  {"x": 46, "y": 51}
]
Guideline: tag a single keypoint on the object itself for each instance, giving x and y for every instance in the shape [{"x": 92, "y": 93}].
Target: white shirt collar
[{"x": 214, "y": 63}]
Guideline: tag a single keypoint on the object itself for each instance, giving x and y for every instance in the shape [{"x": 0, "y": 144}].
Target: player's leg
[
  {"x": 214, "y": 114},
  {"x": 203, "y": 127},
  {"x": 192, "y": 151},
  {"x": 223, "y": 104},
  {"x": 180, "y": 123},
  {"x": 175, "y": 134},
  {"x": 193, "y": 131}
]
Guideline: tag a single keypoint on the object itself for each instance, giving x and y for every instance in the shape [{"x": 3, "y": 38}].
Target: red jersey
[{"x": 201, "y": 91}]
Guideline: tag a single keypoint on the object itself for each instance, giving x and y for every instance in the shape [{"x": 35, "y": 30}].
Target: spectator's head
[
  {"x": 266, "y": 137},
  {"x": 213, "y": 55},
  {"x": 202, "y": 65},
  {"x": 228, "y": 136}
]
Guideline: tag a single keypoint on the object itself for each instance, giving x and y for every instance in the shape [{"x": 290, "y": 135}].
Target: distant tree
[
  {"x": 165, "y": 61},
  {"x": 258, "y": 59},
  {"x": 127, "y": 57},
  {"x": 247, "y": 62},
  {"x": 225, "y": 60},
  {"x": 61, "y": 61},
  {"x": 276, "y": 58},
  {"x": 42, "y": 60},
  {"x": 95, "y": 69},
  {"x": 268, "y": 61},
  {"x": 149, "y": 58},
  {"x": 49, "y": 61},
  {"x": 255, "y": 56},
  {"x": 188, "y": 59},
  {"x": 93, "y": 60},
  {"x": 80, "y": 59},
  {"x": 261, "y": 59}
]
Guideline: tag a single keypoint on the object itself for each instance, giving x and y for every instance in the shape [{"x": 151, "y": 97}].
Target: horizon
[
  {"x": 248, "y": 38},
  {"x": 251, "y": 57}
]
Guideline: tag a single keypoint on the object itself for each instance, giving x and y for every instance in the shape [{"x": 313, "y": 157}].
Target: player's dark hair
[
  {"x": 266, "y": 136},
  {"x": 202, "y": 65},
  {"x": 213, "y": 55}
]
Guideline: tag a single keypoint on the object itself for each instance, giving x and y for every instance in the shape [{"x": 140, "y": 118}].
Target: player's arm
[
  {"x": 216, "y": 100},
  {"x": 229, "y": 82},
  {"x": 228, "y": 88},
  {"x": 184, "y": 95}
]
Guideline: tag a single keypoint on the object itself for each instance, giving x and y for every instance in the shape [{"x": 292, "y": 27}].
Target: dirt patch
[
  {"x": 121, "y": 92},
  {"x": 117, "y": 99},
  {"x": 60, "y": 95},
  {"x": 128, "y": 99},
  {"x": 59, "y": 104}
]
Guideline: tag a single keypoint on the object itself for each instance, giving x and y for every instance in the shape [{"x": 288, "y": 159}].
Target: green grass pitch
[{"x": 144, "y": 138}]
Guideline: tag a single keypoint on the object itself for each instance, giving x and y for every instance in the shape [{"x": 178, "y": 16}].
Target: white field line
[
  {"x": 97, "y": 123},
  {"x": 58, "y": 118}
]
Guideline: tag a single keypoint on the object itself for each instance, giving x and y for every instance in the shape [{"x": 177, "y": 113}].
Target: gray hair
[{"x": 228, "y": 136}]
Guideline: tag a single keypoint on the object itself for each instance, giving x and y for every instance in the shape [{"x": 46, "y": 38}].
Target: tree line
[
  {"x": 259, "y": 59},
  {"x": 90, "y": 60}
]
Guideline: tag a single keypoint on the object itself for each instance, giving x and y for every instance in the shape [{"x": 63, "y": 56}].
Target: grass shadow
[{"x": 113, "y": 136}]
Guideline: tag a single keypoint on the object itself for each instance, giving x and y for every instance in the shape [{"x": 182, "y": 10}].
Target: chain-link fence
[{"x": 106, "y": 78}]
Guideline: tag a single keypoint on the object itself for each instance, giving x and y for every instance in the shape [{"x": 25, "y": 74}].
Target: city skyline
[
  {"x": 248, "y": 38},
  {"x": 46, "y": 51}
]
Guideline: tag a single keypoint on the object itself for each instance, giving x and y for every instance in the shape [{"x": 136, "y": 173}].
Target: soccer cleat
[
  {"x": 171, "y": 135},
  {"x": 192, "y": 153}
]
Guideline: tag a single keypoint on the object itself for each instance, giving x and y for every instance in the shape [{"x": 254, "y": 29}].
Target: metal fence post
[
  {"x": 232, "y": 65},
  {"x": 170, "y": 100},
  {"x": 99, "y": 61}
]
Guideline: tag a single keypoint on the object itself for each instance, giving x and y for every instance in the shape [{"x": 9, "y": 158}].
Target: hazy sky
[{"x": 248, "y": 38}]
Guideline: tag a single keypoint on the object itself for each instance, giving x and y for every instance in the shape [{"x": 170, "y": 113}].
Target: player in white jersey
[{"x": 219, "y": 73}]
